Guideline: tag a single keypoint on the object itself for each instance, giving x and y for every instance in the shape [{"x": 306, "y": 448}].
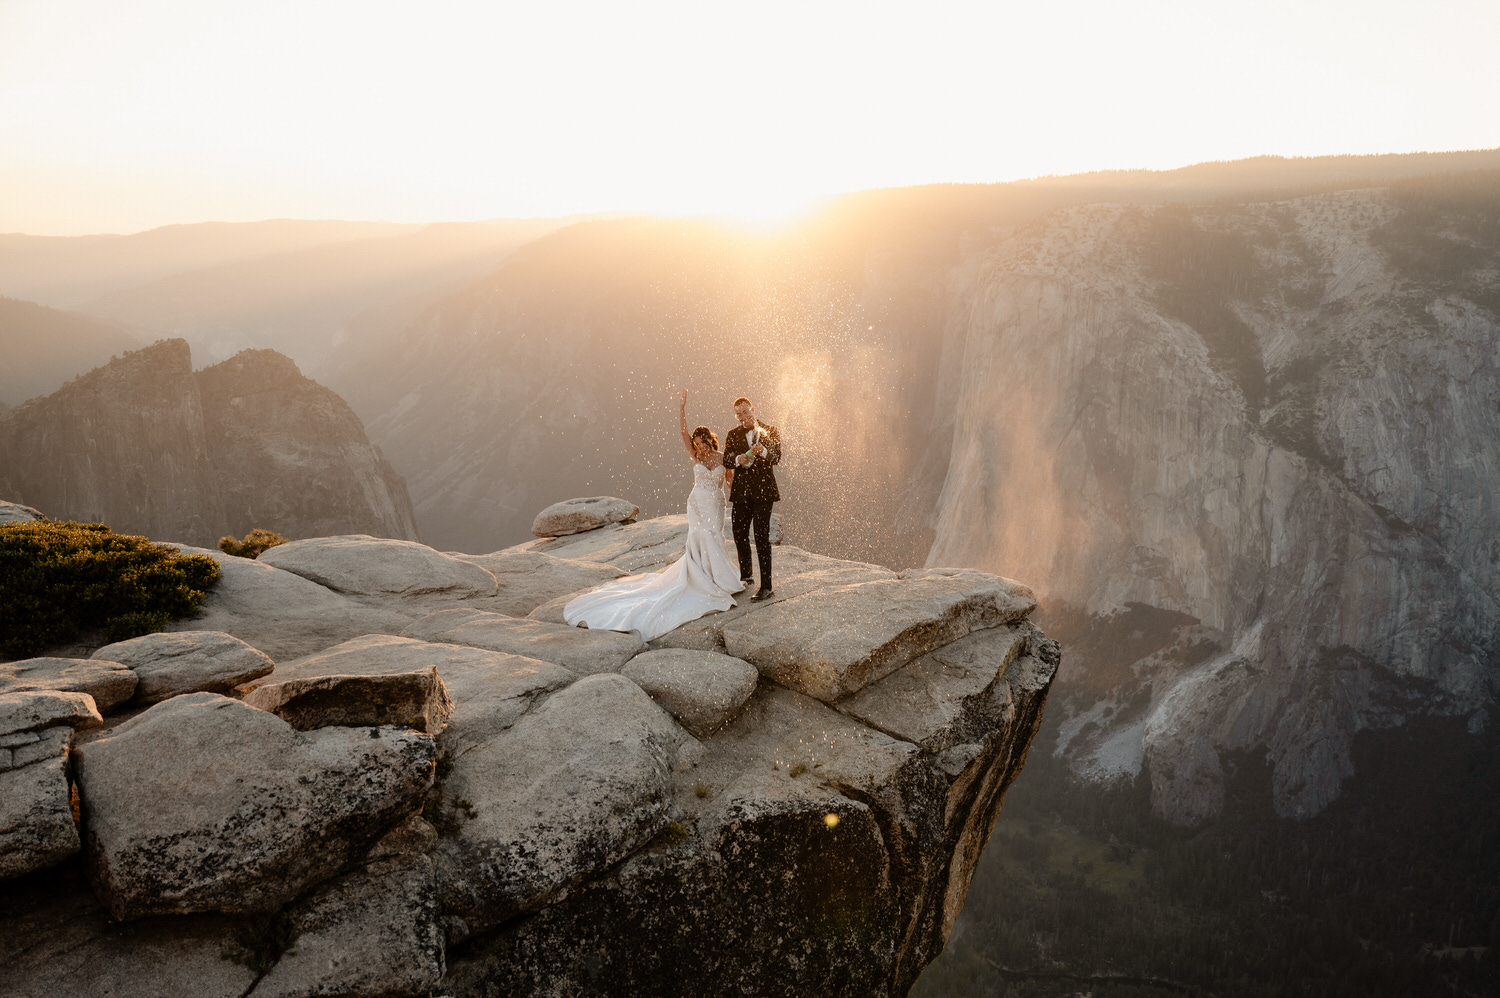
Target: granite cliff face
[
  {"x": 432, "y": 793},
  {"x": 149, "y": 446},
  {"x": 1260, "y": 439}
]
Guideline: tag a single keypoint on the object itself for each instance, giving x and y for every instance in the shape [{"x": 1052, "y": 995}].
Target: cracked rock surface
[{"x": 787, "y": 798}]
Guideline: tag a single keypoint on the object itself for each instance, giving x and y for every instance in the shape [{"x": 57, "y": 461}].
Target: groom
[{"x": 752, "y": 449}]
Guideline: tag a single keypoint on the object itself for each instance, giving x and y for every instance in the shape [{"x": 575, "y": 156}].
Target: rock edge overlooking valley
[{"x": 501, "y": 805}]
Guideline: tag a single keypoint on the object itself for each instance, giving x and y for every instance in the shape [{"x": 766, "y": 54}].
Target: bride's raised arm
[{"x": 687, "y": 441}]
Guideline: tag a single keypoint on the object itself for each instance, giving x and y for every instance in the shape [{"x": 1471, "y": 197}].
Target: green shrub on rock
[
  {"x": 57, "y": 579},
  {"x": 254, "y": 543}
]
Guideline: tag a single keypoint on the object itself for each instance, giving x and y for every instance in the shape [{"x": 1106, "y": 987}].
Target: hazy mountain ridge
[
  {"x": 149, "y": 446},
  {"x": 297, "y": 301},
  {"x": 67, "y": 270},
  {"x": 44, "y": 347}
]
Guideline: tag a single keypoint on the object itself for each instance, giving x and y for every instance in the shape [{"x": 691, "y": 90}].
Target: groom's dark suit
[{"x": 751, "y": 496}]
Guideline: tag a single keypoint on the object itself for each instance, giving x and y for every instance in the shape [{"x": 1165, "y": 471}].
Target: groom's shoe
[{"x": 762, "y": 594}]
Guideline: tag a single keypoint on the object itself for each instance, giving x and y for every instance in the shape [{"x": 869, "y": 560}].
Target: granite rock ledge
[{"x": 788, "y": 798}]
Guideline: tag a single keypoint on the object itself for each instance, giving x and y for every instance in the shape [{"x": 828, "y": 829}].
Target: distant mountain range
[
  {"x": 44, "y": 347},
  {"x": 285, "y": 284}
]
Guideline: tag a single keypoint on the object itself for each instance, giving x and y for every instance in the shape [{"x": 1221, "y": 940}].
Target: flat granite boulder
[
  {"x": 14, "y": 512},
  {"x": 282, "y": 614},
  {"x": 416, "y": 700},
  {"x": 529, "y": 578},
  {"x": 109, "y": 683},
  {"x": 36, "y": 818},
  {"x": 574, "y": 786},
  {"x": 21, "y": 712},
  {"x": 581, "y": 650},
  {"x": 831, "y": 642},
  {"x": 187, "y": 662},
  {"x": 361, "y": 565},
  {"x": 203, "y": 803},
  {"x": 574, "y": 516},
  {"x": 701, "y": 689}
]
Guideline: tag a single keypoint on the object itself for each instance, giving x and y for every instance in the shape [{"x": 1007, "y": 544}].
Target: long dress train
[{"x": 702, "y": 580}]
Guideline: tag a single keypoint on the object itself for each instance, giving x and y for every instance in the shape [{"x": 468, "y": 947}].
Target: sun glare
[{"x": 122, "y": 117}]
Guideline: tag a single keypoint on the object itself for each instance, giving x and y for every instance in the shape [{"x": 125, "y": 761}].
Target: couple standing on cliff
[{"x": 702, "y": 580}]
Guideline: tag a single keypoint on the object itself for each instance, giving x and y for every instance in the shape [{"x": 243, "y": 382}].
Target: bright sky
[{"x": 116, "y": 117}]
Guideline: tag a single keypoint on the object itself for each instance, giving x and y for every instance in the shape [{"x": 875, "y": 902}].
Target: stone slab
[
  {"x": 170, "y": 664},
  {"x": 581, "y": 650},
  {"x": 109, "y": 683},
  {"x": 832, "y": 641}
]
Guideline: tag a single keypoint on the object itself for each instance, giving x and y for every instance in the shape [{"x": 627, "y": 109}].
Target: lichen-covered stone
[
  {"x": 203, "y": 803},
  {"x": 815, "y": 855},
  {"x": 372, "y": 932},
  {"x": 576, "y": 785}
]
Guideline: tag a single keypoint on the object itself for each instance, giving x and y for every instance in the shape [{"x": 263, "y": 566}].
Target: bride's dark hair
[{"x": 704, "y": 433}]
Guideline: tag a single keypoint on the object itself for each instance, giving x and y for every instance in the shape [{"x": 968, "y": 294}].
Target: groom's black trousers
[{"x": 759, "y": 514}]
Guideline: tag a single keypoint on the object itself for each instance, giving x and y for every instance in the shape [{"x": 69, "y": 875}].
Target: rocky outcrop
[
  {"x": 11, "y": 512},
  {"x": 573, "y": 516},
  {"x": 582, "y": 651},
  {"x": 592, "y": 824},
  {"x": 281, "y": 614},
  {"x": 148, "y": 446},
  {"x": 703, "y": 690}
]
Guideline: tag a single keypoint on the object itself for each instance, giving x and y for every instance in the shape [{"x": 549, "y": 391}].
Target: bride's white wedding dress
[{"x": 702, "y": 580}]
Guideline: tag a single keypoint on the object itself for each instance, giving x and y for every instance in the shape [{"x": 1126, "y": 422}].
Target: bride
[{"x": 701, "y": 581}]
